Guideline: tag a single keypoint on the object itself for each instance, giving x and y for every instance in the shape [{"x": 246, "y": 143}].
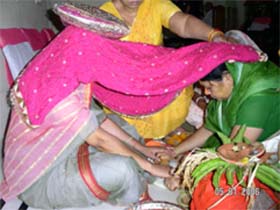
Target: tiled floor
[{"x": 157, "y": 191}]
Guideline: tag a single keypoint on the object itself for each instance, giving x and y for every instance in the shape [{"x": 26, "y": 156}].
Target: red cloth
[
  {"x": 37, "y": 39},
  {"x": 13, "y": 36},
  {"x": 205, "y": 195},
  {"x": 262, "y": 20}
]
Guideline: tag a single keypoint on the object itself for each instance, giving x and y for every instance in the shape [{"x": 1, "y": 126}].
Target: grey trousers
[{"x": 62, "y": 186}]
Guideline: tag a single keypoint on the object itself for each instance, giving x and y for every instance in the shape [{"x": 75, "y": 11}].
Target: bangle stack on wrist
[{"x": 213, "y": 33}]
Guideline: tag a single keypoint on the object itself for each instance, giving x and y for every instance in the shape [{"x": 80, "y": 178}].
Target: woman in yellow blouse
[{"x": 146, "y": 19}]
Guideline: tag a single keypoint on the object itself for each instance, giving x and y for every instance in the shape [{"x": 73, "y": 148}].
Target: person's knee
[
  {"x": 120, "y": 176},
  {"x": 133, "y": 183},
  {"x": 114, "y": 170},
  {"x": 128, "y": 168}
]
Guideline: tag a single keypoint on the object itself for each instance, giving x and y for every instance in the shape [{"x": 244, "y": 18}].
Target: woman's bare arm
[
  {"x": 200, "y": 137},
  {"x": 107, "y": 142},
  {"x": 111, "y": 127},
  {"x": 251, "y": 133},
  {"x": 115, "y": 130},
  {"x": 188, "y": 26},
  {"x": 195, "y": 140}
]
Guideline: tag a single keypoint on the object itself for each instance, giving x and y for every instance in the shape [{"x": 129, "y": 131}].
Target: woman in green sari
[{"x": 243, "y": 94}]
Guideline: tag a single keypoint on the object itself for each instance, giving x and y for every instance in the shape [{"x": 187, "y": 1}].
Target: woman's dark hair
[{"x": 216, "y": 74}]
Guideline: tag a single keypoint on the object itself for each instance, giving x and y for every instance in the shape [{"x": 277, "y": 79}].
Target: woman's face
[
  {"x": 219, "y": 90},
  {"x": 132, "y": 4}
]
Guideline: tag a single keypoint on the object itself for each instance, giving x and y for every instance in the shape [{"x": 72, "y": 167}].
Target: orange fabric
[
  {"x": 154, "y": 143},
  {"x": 87, "y": 176},
  {"x": 204, "y": 195}
]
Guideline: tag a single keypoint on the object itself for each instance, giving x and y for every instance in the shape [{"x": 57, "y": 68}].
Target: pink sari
[
  {"x": 51, "y": 101},
  {"x": 29, "y": 152},
  {"x": 126, "y": 74}
]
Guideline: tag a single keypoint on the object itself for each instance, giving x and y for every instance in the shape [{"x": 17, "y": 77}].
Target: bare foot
[{"x": 172, "y": 183}]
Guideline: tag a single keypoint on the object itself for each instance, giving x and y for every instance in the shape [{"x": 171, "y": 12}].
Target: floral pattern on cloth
[
  {"x": 124, "y": 72},
  {"x": 92, "y": 18}
]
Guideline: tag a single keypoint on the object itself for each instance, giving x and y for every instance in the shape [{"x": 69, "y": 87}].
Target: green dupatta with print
[{"x": 249, "y": 79}]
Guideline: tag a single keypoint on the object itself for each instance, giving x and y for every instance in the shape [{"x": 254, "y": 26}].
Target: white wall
[{"x": 23, "y": 13}]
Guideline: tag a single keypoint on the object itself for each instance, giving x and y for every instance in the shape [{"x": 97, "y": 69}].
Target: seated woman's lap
[
  {"x": 119, "y": 175},
  {"x": 63, "y": 187}
]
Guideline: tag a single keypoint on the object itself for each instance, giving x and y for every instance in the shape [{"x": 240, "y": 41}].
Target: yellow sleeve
[
  {"x": 167, "y": 9},
  {"x": 105, "y": 6},
  {"x": 108, "y": 7}
]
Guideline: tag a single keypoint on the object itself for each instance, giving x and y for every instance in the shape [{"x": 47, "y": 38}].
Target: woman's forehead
[{"x": 205, "y": 83}]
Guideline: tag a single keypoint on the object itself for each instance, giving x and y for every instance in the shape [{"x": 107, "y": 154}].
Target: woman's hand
[
  {"x": 156, "y": 153},
  {"x": 218, "y": 36},
  {"x": 223, "y": 38},
  {"x": 159, "y": 170},
  {"x": 172, "y": 183}
]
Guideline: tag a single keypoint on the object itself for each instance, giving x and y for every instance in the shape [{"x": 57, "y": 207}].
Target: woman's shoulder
[{"x": 107, "y": 6}]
